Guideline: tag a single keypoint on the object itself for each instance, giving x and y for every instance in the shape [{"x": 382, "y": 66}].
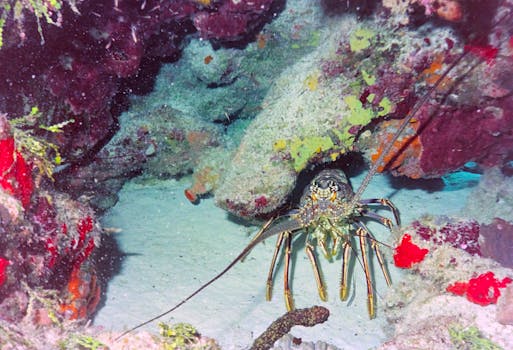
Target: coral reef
[
  {"x": 51, "y": 247},
  {"x": 224, "y": 86},
  {"x": 361, "y": 77},
  {"x": 422, "y": 297},
  {"x": 81, "y": 61},
  {"x": 439, "y": 146},
  {"x": 46, "y": 238},
  {"x": 302, "y": 317},
  {"x": 87, "y": 56}
]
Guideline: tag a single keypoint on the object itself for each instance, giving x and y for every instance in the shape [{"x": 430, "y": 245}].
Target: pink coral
[
  {"x": 482, "y": 290},
  {"x": 15, "y": 173},
  {"x": 406, "y": 254},
  {"x": 3, "y": 265},
  {"x": 84, "y": 245}
]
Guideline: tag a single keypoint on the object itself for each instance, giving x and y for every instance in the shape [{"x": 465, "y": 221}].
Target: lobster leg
[
  {"x": 385, "y": 202},
  {"x": 361, "y": 232},
  {"x": 377, "y": 251},
  {"x": 383, "y": 220},
  {"x": 318, "y": 278},
  {"x": 269, "y": 284},
  {"x": 289, "y": 302},
  {"x": 381, "y": 262},
  {"x": 345, "y": 268}
]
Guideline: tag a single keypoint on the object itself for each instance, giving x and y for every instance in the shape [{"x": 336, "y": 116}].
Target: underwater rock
[
  {"x": 206, "y": 91},
  {"x": 178, "y": 141},
  {"x": 497, "y": 241},
  {"x": 320, "y": 108},
  {"x": 505, "y": 306},
  {"x": 259, "y": 168},
  {"x": 213, "y": 85},
  {"x": 212, "y": 67},
  {"x": 493, "y": 197}
]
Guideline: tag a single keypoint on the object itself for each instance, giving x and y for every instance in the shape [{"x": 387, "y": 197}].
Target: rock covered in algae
[
  {"x": 304, "y": 119},
  {"x": 320, "y": 106}
]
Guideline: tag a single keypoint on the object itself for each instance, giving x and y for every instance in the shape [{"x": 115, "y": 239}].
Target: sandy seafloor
[{"x": 171, "y": 247}]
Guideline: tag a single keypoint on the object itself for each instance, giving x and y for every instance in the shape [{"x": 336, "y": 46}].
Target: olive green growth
[
  {"x": 35, "y": 147},
  {"x": 16, "y": 11},
  {"x": 177, "y": 336},
  {"x": 361, "y": 39},
  {"x": 83, "y": 342},
  {"x": 470, "y": 338},
  {"x": 368, "y": 78},
  {"x": 303, "y": 149},
  {"x": 358, "y": 115}
]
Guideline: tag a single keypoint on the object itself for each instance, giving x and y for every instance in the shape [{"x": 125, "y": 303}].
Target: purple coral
[
  {"x": 456, "y": 136},
  {"x": 458, "y": 233},
  {"x": 233, "y": 20}
]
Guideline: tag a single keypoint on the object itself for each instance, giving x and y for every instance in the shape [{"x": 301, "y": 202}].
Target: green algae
[
  {"x": 303, "y": 149},
  {"x": 470, "y": 338},
  {"x": 368, "y": 78},
  {"x": 360, "y": 39}
]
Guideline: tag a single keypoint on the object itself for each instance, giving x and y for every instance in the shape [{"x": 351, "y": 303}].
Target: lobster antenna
[
  {"x": 374, "y": 167},
  {"x": 215, "y": 278},
  {"x": 260, "y": 236}
]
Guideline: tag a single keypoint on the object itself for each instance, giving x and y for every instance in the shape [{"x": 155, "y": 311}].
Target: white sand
[{"x": 173, "y": 247}]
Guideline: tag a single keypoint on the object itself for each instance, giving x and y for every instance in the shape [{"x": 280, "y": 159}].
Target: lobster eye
[{"x": 325, "y": 184}]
